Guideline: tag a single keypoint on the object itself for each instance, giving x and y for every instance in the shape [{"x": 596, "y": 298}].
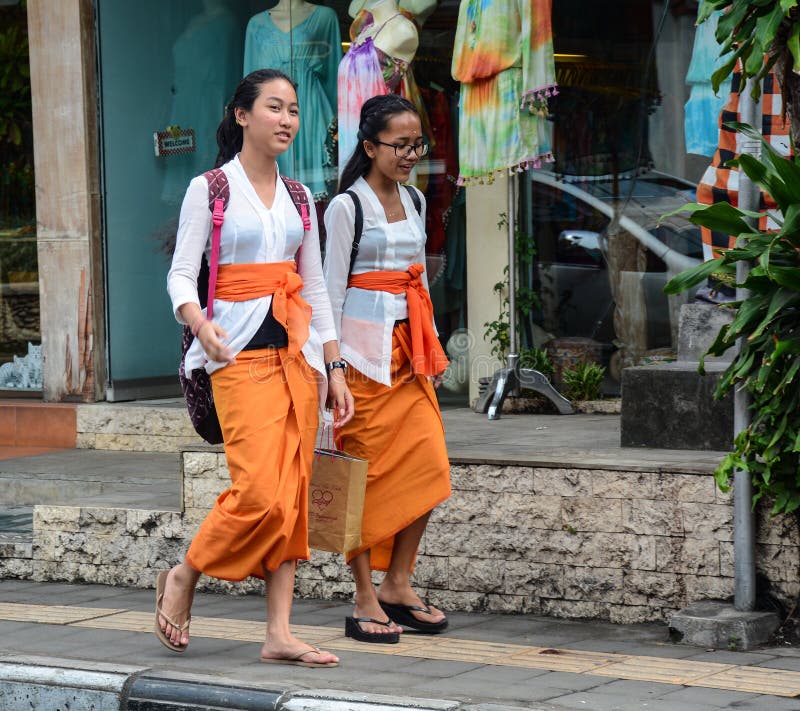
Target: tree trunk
[{"x": 788, "y": 80}]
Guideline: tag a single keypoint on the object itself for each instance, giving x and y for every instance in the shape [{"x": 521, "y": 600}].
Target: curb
[{"x": 47, "y": 683}]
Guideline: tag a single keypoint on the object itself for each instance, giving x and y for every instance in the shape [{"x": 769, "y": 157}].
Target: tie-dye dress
[{"x": 503, "y": 57}]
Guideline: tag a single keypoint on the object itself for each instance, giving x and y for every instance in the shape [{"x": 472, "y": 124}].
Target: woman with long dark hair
[
  {"x": 268, "y": 349},
  {"x": 384, "y": 317}
]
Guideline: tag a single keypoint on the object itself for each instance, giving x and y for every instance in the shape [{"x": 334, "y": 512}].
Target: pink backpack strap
[
  {"x": 299, "y": 197},
  {"x": 219, "y": 194}
]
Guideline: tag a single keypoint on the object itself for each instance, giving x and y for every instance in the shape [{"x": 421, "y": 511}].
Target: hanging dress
[
  {"x": 309, "y": 53},
  {"x": 720, "y": 182},
  {"x": 503, "y": 57}
]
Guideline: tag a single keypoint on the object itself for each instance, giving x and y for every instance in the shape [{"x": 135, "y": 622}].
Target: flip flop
[
  {"x": 352, "y": 628},
  {"x": 401, "y": 614},
  {"x": 297, "y": 660},
  {"x": 161, "y": 583}
]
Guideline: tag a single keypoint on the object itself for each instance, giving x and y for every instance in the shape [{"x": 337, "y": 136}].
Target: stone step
[
  {"x": 627, "y": 546},
  {"x": 73, "y": 477},
  {"x": 140, "y": 426}
]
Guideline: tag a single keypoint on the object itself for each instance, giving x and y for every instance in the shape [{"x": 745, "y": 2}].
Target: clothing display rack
[{"x": 510, "y": 379}]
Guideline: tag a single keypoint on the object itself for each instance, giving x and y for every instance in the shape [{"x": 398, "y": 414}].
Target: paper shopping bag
[{"x": 336, "y": 501}]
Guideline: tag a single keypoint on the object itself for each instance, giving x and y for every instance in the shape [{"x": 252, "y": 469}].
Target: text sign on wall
[{"x": 174, "y": 142}]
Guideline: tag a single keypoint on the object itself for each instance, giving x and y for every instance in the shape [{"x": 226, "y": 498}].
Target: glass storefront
[
  {"x": 160, "y": 110},
  {"x": 603, "y": 254},
  {"x": 20, "y": 337},
  {"x": 622, "y": 140}
]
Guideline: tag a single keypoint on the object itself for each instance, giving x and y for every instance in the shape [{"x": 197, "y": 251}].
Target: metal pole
[
  {"x": 513, "y": 355},
  {"x": 743, "y": 518}
]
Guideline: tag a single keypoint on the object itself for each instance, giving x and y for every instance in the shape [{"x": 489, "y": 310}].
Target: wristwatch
[{"x": 336, "y": 364}]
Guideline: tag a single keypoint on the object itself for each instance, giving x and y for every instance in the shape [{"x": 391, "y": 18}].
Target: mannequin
[
  {"x": 377, "y": 63},
  {"x": 419, "y": 10},
  {"x": 400, "y": 40},
  {"x": 303, "y": 41},
  {"x": 290, "y": 13}
]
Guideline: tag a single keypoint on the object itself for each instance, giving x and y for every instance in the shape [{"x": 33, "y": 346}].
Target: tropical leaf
[{"x": 691, "y": 277}]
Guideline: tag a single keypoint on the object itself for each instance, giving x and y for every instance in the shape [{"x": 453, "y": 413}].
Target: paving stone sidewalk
[{"x": 365, "y": 679}]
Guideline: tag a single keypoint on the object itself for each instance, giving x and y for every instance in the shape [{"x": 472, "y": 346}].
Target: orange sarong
[
  {"x": 399, "y": 431},
  {"x": 268, "y": 407},
  {"x": 427, "y": 355}
]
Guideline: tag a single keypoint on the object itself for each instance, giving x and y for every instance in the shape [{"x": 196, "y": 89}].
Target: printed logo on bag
[{"x": 321, "y": 498}]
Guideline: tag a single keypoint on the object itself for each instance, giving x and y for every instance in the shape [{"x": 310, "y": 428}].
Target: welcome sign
[{"x": 174, "y": 141}]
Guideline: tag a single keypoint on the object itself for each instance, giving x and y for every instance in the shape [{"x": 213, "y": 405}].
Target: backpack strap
[
  {"x": 415, "y": 199},
  {"x": 219, "y": 194},
  {"x": 358, "y": 228},
  {"x": 217, "y": 187},
  {"x": 299, "y": 197},
  {"x": 358, "y": 223}
]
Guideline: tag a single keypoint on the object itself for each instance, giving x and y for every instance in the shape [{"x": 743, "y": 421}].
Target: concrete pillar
[
  {"x": 66, "y": 159},
  {"x": 487, "y": 256}
]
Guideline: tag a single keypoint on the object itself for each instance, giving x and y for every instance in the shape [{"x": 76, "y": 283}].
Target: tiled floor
[{"x": 683, "y": 672}]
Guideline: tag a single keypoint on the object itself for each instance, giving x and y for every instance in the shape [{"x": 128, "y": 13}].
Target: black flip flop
[
  {"x": 401, "y": 614},
  {"x": 352, "y": 628}
]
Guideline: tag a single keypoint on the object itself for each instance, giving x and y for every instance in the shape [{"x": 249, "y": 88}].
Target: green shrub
[
  {"x": 584, "y": 381},
  {"x": 537, "y": 359},
  {"x": 766, "y": 323}
]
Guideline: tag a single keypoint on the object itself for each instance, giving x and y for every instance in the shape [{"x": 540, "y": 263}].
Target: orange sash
[
  {"x": 428, "y": 357},
  {"x": 242, "y": 282}
]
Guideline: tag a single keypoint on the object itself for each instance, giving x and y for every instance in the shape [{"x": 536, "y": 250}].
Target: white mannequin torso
[
  {"x": 290, "y": 13},
  {"x": 398, "y": 38}
]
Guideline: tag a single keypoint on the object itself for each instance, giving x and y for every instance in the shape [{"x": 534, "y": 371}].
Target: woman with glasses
[{"x": 374, "y": 270}]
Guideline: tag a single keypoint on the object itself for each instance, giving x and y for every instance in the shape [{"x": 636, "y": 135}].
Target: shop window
[
  {"x": 20, "y": 349},
  {"x": 603, "y": 253}
]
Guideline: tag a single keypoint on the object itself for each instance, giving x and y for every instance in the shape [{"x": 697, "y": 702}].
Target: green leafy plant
[
  {"x": 496, "y": 332},
  {"x": 749, "y": 30},
  {"x": 766, "y": 323},
  {"x": 584, "y": 381},
  {"x": 537, "y": 359}
]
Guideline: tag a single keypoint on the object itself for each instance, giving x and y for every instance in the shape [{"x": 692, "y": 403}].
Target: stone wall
[
  {"x": 138, "y": 428},
  {"x": 623, "y": 546}
]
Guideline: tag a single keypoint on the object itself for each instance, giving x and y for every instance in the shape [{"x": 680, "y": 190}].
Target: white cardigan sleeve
[
  {"x": 194, "y": 228},
  {"x": 309, "y": 267},
  {"x": 340, "y": 230}
]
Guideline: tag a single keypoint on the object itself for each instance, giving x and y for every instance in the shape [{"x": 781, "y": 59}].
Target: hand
[
  {"x": 212, "y": 336},
  {"x": 340, "y": 399},
  {"x": 437, "y": 380}
]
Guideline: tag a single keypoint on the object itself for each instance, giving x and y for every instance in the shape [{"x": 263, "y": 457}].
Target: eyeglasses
[{"x": 404, "y": 150}]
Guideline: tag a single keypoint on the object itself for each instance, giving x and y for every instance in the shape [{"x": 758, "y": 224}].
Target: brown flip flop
[
  {"x": 297, "y": 660},
  {"x": 161, "y": 584}
]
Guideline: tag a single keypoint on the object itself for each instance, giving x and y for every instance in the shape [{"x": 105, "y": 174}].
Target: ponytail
[
  {"x": 230, "y": 135},
  {"x": 375, "y": 115}
]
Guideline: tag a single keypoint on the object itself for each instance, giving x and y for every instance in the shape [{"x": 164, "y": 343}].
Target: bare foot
[
  {"x": 177, "y": 603},
  {"x": 403, "y": 594},
  {"x": 290, "y": 648}
]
